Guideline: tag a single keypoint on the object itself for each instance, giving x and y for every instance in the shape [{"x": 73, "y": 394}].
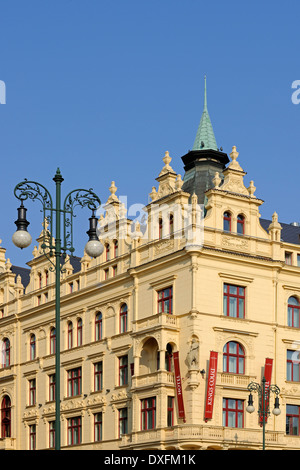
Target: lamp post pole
[
  {"x": 264, "y": 396},
  {"x": 58, "y": 181},
  {"x": 21, "y": 238}
]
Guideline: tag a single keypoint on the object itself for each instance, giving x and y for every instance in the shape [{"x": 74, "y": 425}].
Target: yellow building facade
[{"x": 138, "y": 325}]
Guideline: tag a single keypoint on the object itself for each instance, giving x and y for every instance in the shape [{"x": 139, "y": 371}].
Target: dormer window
[
  {"x": 227, "y": 222},
  {"x": 288, "y": 258},
  {"x": 240, "y": 224}
]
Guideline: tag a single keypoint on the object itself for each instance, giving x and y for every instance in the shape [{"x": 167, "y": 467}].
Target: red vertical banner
[
  {"x": 178, "y": 386},
  {"x": 266, "y": 398},
  {"x": 211, "y": 385}
]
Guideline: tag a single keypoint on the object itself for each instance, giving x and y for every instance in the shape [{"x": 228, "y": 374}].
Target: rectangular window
[
  {"x": 234, "y": 301},
  {"x": 288, "y": 258},
  {"x": 292, "y": 366},
  {"x": 170, "y": 416},
  {"x": 74, "y": 382},
  {"x": 298, "y": 261},
  {"x": 74, "y": 431},
  {"x": 123, "y": 421},
  {"x": 98, "y": 427},
  {"x": 32, "y": 437},
  {"x": 52, "y": 434},
  {"x": 98, "y": 374},
  {"x": 106, "y": 271},
  {"x": 123, "y": 370},
  {"x": 115, "y": 271},
  {"x": 164, "y": 300},
  {"x": 52, "y": 387},
  {"x": 148, "y": 412},
  {"x": 233, "y": 413},
  {"x": 32, "y": 392},
  {"x": 292, "y": 420}
]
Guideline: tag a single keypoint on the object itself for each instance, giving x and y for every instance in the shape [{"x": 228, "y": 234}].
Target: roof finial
[{"x": 205, "y": 94}]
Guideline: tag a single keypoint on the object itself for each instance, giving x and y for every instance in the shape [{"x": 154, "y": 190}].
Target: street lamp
[
  {"x": 53, "y": 246},
  {"x": 264, "y": 396}
]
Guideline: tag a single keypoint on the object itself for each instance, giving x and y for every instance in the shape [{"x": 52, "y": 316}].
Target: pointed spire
[
  {"x": 205, "y": 137},
  {"x": 205, "y": 94}
]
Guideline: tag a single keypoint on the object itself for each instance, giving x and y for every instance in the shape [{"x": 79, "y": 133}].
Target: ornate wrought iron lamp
[
  {"x": 54, "y": 248},
  {"x": 264, "y": 397}
]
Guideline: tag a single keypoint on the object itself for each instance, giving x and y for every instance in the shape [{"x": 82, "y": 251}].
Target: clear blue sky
[{"x": 102, "y": 89}]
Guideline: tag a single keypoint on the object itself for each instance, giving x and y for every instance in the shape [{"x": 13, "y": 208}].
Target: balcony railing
[
  {"x": 7, "y": 443},
  {"x": 206, "y": 436},
  {"x": 159, "y": 377},
  {"x": 158, "y": 320}
]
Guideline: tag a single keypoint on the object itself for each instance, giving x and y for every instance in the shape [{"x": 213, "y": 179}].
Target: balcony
[
  {"x": 234, "y": 380},
  {"x": 160, "y": 320},
  {"x": 203, "y": 436},
  {"x": 7, "y": 443},
  {"x": 161, "y": 377}
]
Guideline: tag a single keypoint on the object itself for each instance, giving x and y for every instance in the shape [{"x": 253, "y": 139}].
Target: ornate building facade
[{"x": 141, "y": 324}]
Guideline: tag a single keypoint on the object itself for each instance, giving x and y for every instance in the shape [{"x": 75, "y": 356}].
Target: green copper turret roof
[{"x": 205, "y": 137}]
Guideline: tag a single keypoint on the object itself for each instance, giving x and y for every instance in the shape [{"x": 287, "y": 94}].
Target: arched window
[
  {"x": 168, "y": 356},
  {"x": 227, "y": 222},
  {"x": 5, "y": 417},
  {"x": 52, "y": 340},
  {"x": 5, "y": 352},
  {"x": 241, "y": 224},
  {"x": 79, "y": 332},
  {"x": 293, "y": 312},
  {"x": 98, "y": 326},
  {"x": 107, "y": 252},
  {"x": 116, "y": 248},
  {"x": 233, "y": 358},
  {"x": 32, "y": 347},
  {"x": 171, "y": 224},
  {"x": 160, "y": 228},
  {"x": 46, "y": 278},
  {"x": 149, "y": 357},
  {"x": 40, "y": 280},
  {"x": 70, "y": 335},
  {"x": 123, "y": 318}
]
